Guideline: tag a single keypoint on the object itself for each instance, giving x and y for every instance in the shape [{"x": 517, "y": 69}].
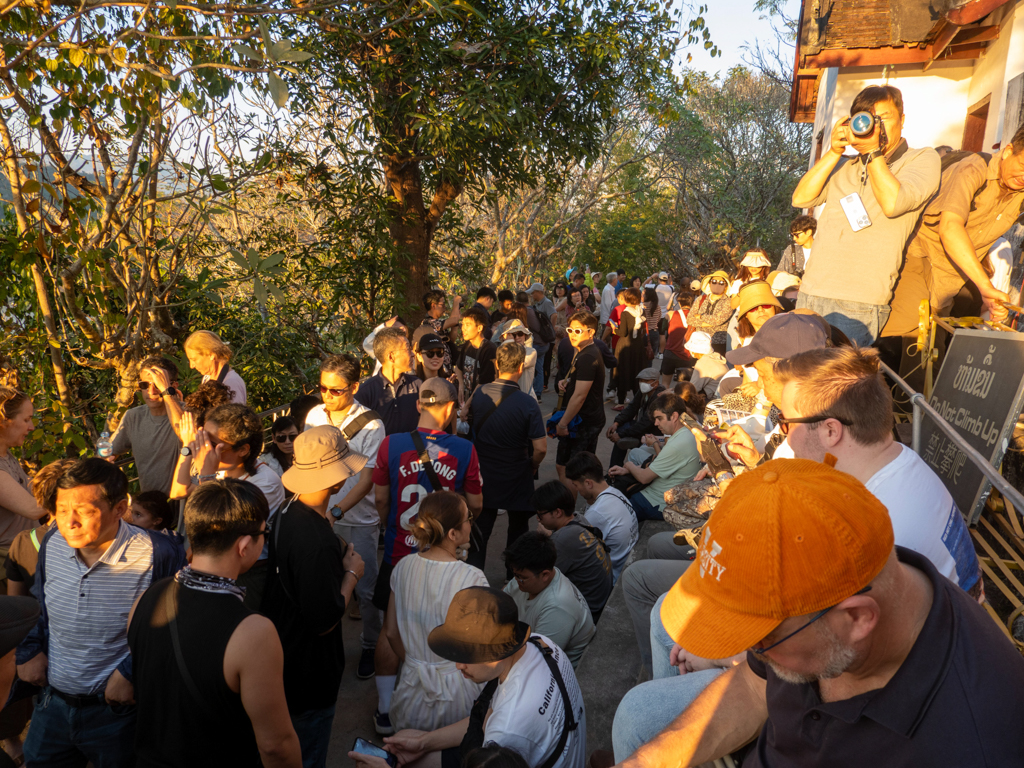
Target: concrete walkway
[{"x": 609, "y": 667}]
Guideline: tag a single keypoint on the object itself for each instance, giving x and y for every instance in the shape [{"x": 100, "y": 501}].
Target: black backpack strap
[
  {"x": 224, "y": 370},
  {"x": 425, "y": 462},
  {"x": 172, "y": 622},
  {"x": 474, "y": 738},
  {"x": 569, "y": 724},
  {"x": 355, "y": 426}
]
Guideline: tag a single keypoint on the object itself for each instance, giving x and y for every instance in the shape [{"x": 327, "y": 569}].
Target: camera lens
[{"x": 862, "y": 123}]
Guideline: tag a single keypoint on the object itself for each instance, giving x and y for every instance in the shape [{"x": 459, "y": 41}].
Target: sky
[{"x": 732, "y": 23}]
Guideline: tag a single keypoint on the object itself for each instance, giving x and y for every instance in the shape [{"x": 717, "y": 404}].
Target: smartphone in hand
[{"x": 364, "y": 747}]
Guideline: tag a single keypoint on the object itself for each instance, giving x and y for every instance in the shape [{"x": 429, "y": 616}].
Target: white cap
[
  {"x": 663, "y": 275},
  {"x": 784, "y": 280},
  {"x": 699, "y": 343},
  {"x": 755, "y": 260}
]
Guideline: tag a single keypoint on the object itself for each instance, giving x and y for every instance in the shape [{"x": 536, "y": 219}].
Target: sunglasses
[
  {"x": 433, "y": 353},
  {"x": 784, "y": 423},
  {"x": 717, "y": 282},
  {"x": 762, "y": 308},
  {"x": 576, "y": 331},
  {"x": 285, "y": 438},
  {"x": 334, "y": 391},
  {"x": 144, "y": 385},
  {"x": 215, "y": 441}
]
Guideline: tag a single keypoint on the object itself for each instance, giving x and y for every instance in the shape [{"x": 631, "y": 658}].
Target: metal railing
[{"x": 922, "y": 408}]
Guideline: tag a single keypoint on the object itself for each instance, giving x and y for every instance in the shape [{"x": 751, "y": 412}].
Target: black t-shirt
[
  {"x": 957, "y": 699},
  {"x": 588, "y": 366},
  {"x": 504, "y": 447},
  {"x": 304, "y": 601},
  {"x": 24, "y": 555},
  {"x": 477, "y": 365}
]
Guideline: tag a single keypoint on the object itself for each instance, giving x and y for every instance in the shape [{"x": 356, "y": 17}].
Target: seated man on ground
[
  {"x": 583, "y": 556},
  {"x": 609, "y": 510},
  {"x": 859, "y": 652},
  {"x": 635, "y": 420},
  {"x": 546, "y": 599},
  {"x": 676, "y": 461},
  {"x": 532, "y": 701}
]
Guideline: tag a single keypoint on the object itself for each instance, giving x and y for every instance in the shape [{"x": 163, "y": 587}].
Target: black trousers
[{"x": 518, "y": 524}]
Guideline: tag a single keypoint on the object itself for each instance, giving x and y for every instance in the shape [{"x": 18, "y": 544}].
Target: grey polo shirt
[
  {"x": 862, "y": 266},
  {"x": 957, "y": 700}
]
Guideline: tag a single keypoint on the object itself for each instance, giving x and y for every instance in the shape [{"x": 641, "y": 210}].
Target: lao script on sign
[{"x": 979, "y": 391}]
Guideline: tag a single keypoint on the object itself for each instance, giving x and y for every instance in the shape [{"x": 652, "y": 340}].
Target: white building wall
[{"x": 934, "y": 102}]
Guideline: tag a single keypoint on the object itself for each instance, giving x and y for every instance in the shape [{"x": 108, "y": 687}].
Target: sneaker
[
  {"x": 382, "y": 724},
  {"x": 365, "y": 670}
]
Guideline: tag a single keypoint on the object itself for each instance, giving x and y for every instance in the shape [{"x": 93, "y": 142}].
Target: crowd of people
[{"x": 821, "y": 603}]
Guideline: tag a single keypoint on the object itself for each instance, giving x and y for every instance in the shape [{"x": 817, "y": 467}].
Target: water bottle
[{"x": 104, "y": 448}]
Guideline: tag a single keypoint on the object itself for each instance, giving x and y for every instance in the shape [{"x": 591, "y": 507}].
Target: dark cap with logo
[
  {"x": 437, "y": 391},
  {"x": 781, "y": 336}
]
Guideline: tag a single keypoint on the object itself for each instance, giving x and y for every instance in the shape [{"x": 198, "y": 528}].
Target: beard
[{"x": 834, "y": 657}]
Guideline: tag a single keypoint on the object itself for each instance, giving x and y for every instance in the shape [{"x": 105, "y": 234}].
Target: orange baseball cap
[{"x": 788, "y": 538}]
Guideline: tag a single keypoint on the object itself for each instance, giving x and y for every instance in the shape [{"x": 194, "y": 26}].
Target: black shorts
[
  {"x": 585, "y": 440},
  {"x": 672, "y": 361},
  {"x": 382, "y": 589},
  {"x": 663, "y": 326},
  {"x": 451, "y": 757}
]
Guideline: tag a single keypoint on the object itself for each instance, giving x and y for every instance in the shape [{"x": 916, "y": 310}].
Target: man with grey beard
[{"x": 858, "y": 652}]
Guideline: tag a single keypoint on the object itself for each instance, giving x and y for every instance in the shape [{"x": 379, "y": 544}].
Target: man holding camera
[{"x": 876, "y": 199}]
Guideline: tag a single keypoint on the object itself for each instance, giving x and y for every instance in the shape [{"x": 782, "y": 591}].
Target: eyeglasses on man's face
[
  {"x": 786, "y": 424},
  {"x": 814, "y": 618},
  {"x": 335, "y": 391}
]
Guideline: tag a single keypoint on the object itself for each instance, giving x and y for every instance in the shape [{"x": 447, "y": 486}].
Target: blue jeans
[
  {"x": 314, "y": 731},
  {"x": 538, "y": 372},
  {"x": 661, "y": 645},
  {"x": 364, "y": 537},
  {"x": 646, "y": 710},
  {"x": 62, "y": 736},
  {"x": 862, "y": 323},
  {"x": 644, "y": 509}
]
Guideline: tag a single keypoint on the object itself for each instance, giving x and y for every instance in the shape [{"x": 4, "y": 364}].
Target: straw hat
[
  {"x": 754, "y": 294},
  {"x": 706, "y": 280}
]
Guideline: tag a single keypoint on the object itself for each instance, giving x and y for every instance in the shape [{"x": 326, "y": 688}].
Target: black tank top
[{"x": 174, "y": 730}]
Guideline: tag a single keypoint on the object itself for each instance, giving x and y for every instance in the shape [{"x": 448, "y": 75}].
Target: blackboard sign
[{"x": 979, "y": 391}]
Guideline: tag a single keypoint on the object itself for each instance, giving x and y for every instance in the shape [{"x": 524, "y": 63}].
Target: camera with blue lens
[{"x": 863, "y": 123}]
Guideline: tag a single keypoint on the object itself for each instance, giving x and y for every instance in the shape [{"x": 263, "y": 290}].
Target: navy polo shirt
[
  {"x": 957, "y": 700},
  {"x": 394, "y": 402}
]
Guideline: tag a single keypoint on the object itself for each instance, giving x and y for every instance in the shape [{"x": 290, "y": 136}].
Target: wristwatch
[{"x": 185, "y": 451}]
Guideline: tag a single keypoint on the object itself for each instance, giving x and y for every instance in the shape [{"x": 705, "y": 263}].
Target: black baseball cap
[
  {"x": 429, "y": 341},
  {"x": 782, "y": 336}
]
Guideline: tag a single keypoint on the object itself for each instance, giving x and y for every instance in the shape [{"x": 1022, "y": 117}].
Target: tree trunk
[{"x": 411, "y": 234}]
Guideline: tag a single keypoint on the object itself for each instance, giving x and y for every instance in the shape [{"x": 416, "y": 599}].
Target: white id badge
[{"x": 855, "y": 212}]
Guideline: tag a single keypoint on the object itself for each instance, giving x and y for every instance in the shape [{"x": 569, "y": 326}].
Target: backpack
[{"x": 544, "y": 328}]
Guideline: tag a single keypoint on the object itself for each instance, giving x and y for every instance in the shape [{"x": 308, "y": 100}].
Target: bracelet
[
  {"x": 207, "y": 477},
  {"x": 353, "y": 573},
  {"x": 869, "y": 156}
]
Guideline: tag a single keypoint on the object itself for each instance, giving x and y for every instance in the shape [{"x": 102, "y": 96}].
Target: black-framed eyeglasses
[
  {"x": 433, "y": 353},
  {"x": 285, "y": 438},
  {"x": 262, "y": 532},
  {"x": 814, "y": 618},
  {"x": 336, "y": 392},
  {"x": 784, "y": 423}
]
